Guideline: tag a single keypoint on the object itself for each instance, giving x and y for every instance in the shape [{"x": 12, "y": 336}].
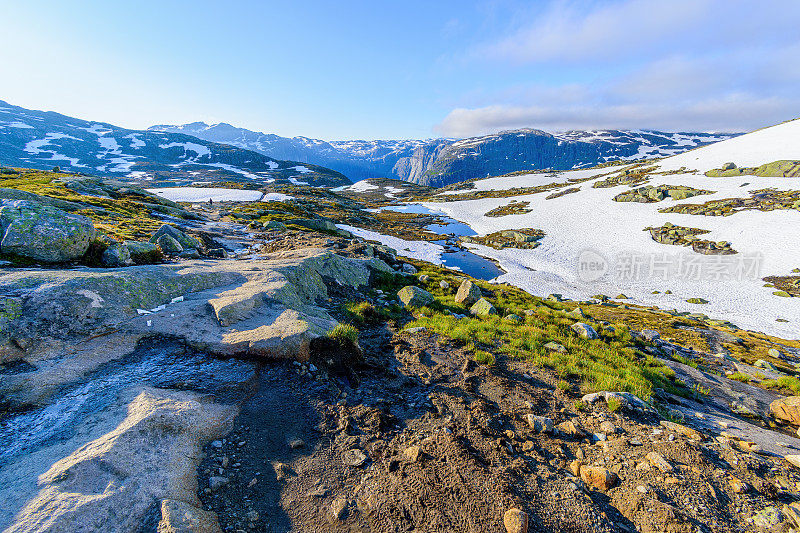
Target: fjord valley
[{"x": 299, "y": 267}]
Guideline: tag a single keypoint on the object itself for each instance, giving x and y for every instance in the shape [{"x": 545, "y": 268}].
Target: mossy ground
[{"x": 123, "y": 217}]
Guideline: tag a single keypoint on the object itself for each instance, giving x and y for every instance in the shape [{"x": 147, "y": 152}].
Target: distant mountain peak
[{"x": 443, "y": 161}]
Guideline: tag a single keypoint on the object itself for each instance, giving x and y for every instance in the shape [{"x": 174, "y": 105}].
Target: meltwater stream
[{"x": 164, "y": 366}]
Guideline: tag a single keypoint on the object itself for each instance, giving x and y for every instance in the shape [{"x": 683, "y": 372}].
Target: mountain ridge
[
  {"x": 439, "y": 162},
  {"x": 46, "y": 139}
]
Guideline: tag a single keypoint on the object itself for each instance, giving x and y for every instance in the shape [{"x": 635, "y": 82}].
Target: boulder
[
  {"x": 584, "y": 330},
  {"x": 116, "y": 255},
  {"x": 169, "y": 245},
  {"x": 413, "y": 296},
  {"x": 468, "y": 293},
  {"x": 408, "y": 268},
  {"x": 43, "y": 233},
  {"x": 483, "y": 308},
  {"x": 540, "y": 424},
  {"x": 143, "y": 253},
  {"x": 786, "y": 409},
  {"x": 185, "y": 240},
  {"x": 513, "y": 318}
]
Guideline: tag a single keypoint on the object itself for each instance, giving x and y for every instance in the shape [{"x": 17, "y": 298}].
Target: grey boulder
[{"x": 43, "y": 233}]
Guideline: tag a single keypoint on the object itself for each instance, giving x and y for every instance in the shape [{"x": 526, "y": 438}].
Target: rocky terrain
[
  {"x": 252, "y": 366},
  {"x": 439, "y": 162}
]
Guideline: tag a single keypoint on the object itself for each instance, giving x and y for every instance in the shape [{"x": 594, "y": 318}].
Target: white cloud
[
  {"x": 577, "y": 31},
  {"x": 691, "y": 65}
]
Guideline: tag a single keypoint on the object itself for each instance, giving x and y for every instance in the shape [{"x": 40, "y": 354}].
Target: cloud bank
[{"x": 699, "y": 65}]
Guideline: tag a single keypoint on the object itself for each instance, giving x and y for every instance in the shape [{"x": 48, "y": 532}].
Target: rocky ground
[{"x": 217, "y": 393}]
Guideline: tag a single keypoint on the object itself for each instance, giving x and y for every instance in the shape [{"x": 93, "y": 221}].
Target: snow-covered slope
[{"x": 596, "y": 245}]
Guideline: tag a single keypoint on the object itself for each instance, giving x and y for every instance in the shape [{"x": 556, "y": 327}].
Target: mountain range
[
  {"x": 439, "y": 162},
  {"x": 38, "y": 139}
]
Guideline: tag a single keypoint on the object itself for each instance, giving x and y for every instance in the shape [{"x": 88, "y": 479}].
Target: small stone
[
  {"x": 658, "y": 461},
  {"x": 598, "y": 477},
  {"x": 354, "y": 457},
  {"x": 412, "y": 453},
  {"x": 738, "y": 486},
  {"x": 252, "y": 516},
  {"x": 424, "y": 278},
  {"x": 516, "y": 521},
  {"x": 540, "y": 424},
  {"x": 217, "y": 482},
  {"x": 216, "y": 444},
  {"x": 296, "y": 443},
  {"x": 339, "y": 508},
  {"x": 607, "y": 427},
  {"x": 575, "y": 467},
  {"x": 444, "y": 285}
]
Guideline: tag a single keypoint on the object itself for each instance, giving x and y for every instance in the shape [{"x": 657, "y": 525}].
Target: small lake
[{"x": 472, "y": 264}]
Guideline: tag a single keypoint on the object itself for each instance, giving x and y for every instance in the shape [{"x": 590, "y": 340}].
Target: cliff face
[{"x": 439, "y": 162}]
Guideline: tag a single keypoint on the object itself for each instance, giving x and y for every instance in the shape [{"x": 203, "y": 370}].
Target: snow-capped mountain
[
  {"x": 38, "y": 139},
  {"x": 439, "y": 162}
]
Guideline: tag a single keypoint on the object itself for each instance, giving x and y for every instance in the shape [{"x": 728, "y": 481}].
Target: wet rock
[
  {"x": 151, "y": 456},
  {"x": 43, "y": 233},
  {"x": 515, "y": 521},
  {"x": 413, "y": 296},
  {"x": 482, "y": 308},
  {"x": 584, "y": 330}
]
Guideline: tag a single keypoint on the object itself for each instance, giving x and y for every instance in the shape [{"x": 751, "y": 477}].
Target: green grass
[
  {"x": 738, "y": 376},
  {"x": 609, "y": 363},
  {"x": 613, "y": 404},
  {"x": 344, "y": 334},
  {"x": 783, "y": 383}
]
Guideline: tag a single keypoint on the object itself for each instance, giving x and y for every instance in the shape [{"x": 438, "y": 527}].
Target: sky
[{"x": 410, "y": 69}]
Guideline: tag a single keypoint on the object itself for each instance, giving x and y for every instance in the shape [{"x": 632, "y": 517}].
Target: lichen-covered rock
[
  {"x": 584, "y": 330},
  {"x": 185, "y": 240},
  {"x": 468, "y": 293},
  {"x": 43, "y": 233},
  {"x": 483, "y": 307},
  {"x": 116, "y": 255},
  {"x": 169, "y": 245},
  {"x": 143, "y": 253},
  {"x": 413, "y": 296}
]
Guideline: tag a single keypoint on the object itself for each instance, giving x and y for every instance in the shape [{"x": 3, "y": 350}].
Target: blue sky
[{"x": 411, "y": 69}]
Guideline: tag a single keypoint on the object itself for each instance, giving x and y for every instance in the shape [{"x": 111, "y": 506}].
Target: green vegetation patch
[
  {"x": 777, "y": 169},
  {"x": 516, "y": 207},
  {"x": 527, "y": 238}
]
